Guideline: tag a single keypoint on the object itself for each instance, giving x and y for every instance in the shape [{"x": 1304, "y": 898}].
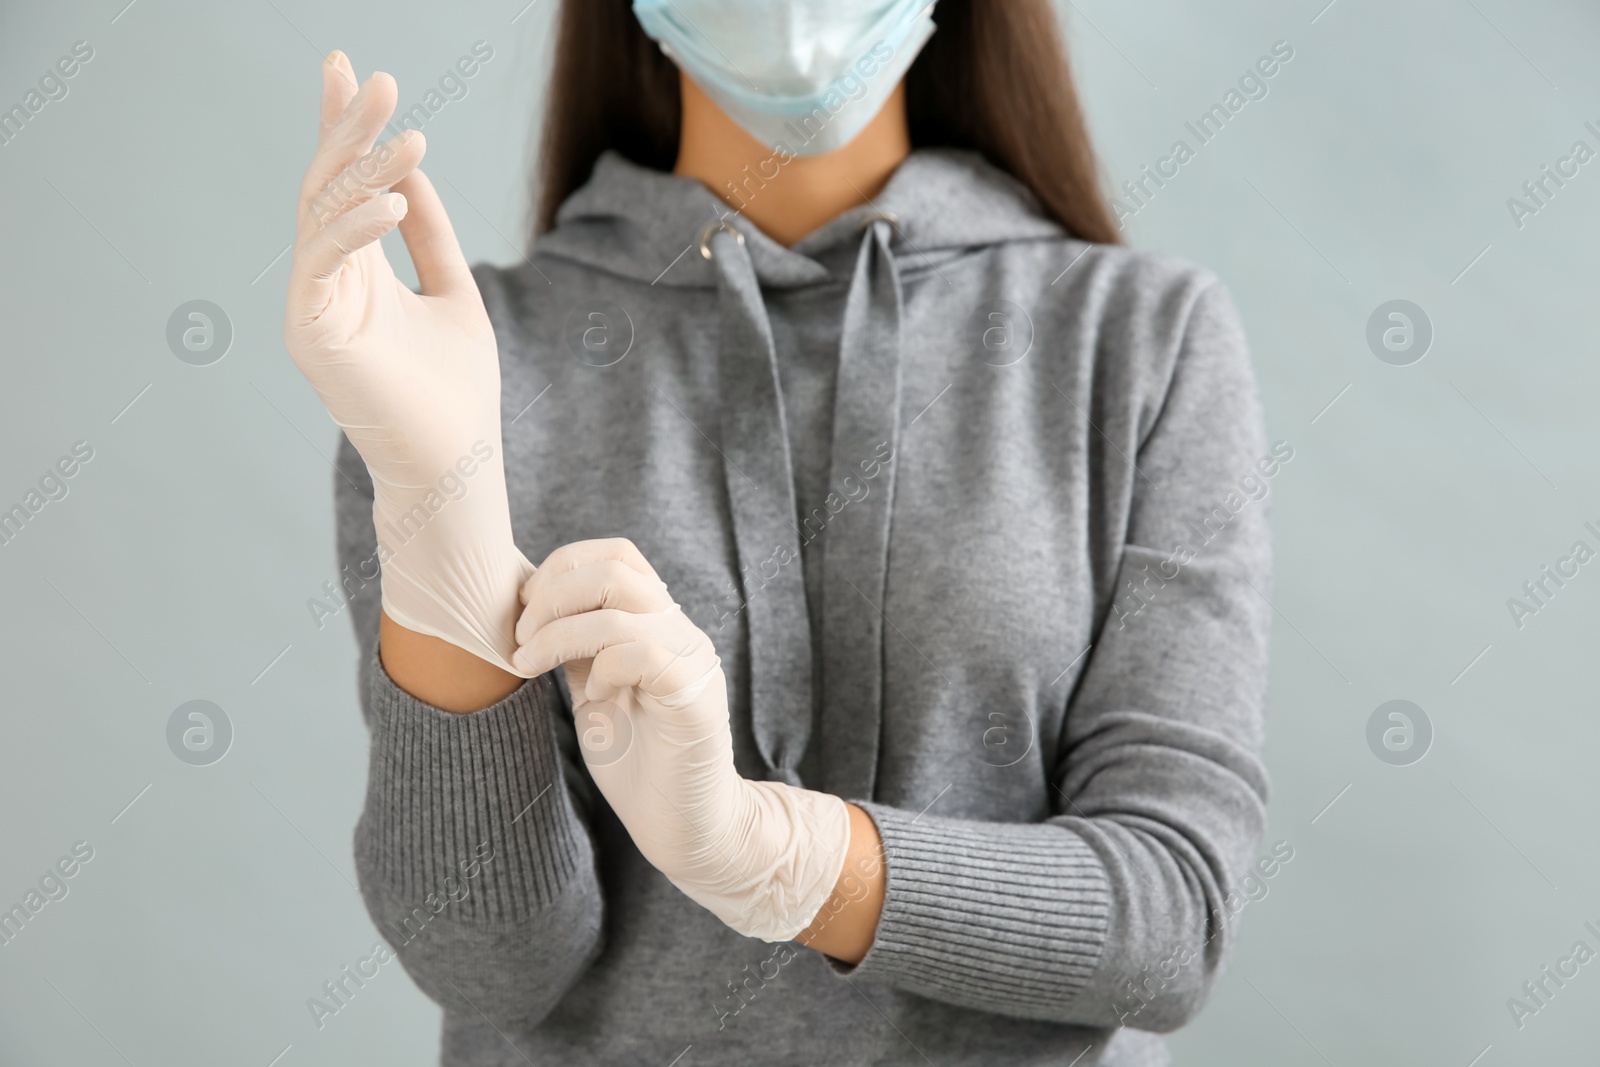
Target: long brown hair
[{"x": 994, "y": 79}]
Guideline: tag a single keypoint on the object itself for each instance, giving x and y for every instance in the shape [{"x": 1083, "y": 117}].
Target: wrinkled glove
[
  {"x": 413, "y": 379},
  {"x": 651, "y": 709}
]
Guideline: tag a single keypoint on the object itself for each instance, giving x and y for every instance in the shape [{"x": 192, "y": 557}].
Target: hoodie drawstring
[
  {"x": 760, "y": 481},
  {"x": 866, "y": 438},
  {"x": 759, "y": 475}
]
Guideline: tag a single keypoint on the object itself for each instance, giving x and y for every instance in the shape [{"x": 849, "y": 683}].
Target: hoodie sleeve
[
  {"x": 1113, "y": 910},
  {"x": 472, "y": 851}
]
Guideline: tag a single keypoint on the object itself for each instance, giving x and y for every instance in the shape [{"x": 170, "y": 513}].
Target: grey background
[{"x": 1419, "y": 898}]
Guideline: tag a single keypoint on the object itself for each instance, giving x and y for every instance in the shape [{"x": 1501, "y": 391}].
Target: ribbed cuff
[
  {"x": 444, "y": 791},
  {"x": 1001, "y": 917}
]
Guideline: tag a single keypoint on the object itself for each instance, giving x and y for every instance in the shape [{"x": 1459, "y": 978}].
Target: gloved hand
[
  {"x": 414, "y": 380},
  {"x": 651, "y": 706}
]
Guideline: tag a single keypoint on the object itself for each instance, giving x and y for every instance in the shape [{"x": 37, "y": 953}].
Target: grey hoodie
[{"x": 977, "y": 517}]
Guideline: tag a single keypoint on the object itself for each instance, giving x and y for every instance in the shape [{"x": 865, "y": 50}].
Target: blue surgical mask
[{"x": 803, "y": 76}]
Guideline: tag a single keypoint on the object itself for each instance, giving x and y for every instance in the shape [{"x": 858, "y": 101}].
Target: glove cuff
[
  {"x": 469, "y": 600},
  {"x": 795, "y": 850}
]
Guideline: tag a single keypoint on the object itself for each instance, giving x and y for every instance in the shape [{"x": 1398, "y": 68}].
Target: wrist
[
  {"x": 439, "y": 673},
  {"x": 454, "y": 580},
  {"x": 846, "y": 925},
  {"x": 787, "y": 854}
]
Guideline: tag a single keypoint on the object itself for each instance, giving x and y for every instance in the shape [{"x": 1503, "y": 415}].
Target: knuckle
[
  {"x": 613, "y": 576},
  {"x": 621, "y": 626},
  {"x": 622, "y": 545},
  {"x": 615, "y": 621},
  {"x": 319, "y": 213},
  {"x": 554, "y": 606},
  {"x": 568, "y": 556},
  {"x": 371, "y": 166}
]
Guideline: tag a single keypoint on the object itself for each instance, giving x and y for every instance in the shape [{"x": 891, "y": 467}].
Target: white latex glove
[
  {"x": 414, "y": 380},
  {"x": 651, "y": 709}
]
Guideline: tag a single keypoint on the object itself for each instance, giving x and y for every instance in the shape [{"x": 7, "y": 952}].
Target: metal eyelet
[
  {"x": 713, "y": 227},
  {"x": 881, "y": 216}
]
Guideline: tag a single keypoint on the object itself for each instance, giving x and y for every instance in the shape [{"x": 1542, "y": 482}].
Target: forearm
[
  {"x": 472, "y": 852},
  {"x": 439, "y": 673}
]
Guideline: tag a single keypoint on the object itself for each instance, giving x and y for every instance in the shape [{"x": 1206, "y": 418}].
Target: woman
[{"x": 911, "y": 628}]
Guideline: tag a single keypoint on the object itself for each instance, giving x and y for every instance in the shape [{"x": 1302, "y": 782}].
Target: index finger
[{"x": 577, "y": 554}]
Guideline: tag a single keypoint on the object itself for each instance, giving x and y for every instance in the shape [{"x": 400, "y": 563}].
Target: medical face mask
[{"x": 803, "y": 76}]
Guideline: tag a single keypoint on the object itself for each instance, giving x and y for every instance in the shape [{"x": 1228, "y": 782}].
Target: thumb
[{"x": 441, "y": 268}]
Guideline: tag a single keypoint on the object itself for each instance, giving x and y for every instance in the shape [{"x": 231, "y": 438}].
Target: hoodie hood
[
  {"x": 642, "y": 223},
  {"x": 664, "y": 230}
]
